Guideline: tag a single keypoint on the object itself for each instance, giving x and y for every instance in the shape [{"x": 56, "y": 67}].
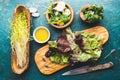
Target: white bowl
[{"x": 41, "y": 28}]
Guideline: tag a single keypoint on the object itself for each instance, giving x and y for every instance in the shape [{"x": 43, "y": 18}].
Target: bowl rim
[
  {"x": 40, "y": 28},
  {"x": 68, "y": 23},
  {"x": 81, "y": 13}
]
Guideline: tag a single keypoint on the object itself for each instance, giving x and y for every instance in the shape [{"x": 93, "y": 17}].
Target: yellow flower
[{"x": 59, "y": 22}]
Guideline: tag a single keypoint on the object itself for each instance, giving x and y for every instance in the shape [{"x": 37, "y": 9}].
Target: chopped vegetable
[
  {"x": 59, "y": 14},
  {"x": 93, "y": 13},
  {"x": 19, "y": 38}
]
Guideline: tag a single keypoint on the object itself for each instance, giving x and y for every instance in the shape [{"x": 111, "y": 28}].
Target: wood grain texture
[
  {"x": 47, "y": 67},
  {"x": 16, "y": 69}
]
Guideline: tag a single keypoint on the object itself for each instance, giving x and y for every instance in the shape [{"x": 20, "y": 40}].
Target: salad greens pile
[
  {"x": 59, "y": 13},
  {"x": 84, "y": 47},
  {"x": 93, "y": 13},
  {"x": 91, "y": 48},
  {"x": 58, "y": 57}
]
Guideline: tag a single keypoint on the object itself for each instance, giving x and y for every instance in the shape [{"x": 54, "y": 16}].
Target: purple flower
[{"x": 53, "y": 10}]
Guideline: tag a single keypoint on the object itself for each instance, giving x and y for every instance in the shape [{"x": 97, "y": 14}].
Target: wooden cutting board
[{"x": 47, "y": 67}]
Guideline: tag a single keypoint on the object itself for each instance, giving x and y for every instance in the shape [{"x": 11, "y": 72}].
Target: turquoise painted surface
[{"x": 111, "y": 21}]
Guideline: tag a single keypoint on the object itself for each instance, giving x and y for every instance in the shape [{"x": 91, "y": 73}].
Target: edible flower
[
  {"x": 60, "y": 6},
  {"x": 59, "y": 22}
]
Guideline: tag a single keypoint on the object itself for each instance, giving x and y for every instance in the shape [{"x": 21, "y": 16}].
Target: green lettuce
[
  {"x": 93, "y": 47},
  {"x": 60, "y": 58},
  {"x": 52, "y": 44},
  {"x": 90, "y": 50}
]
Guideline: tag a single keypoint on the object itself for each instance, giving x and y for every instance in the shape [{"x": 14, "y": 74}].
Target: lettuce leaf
[
  {"x": 60, "y": 58},
  {"x": 93, "y": 47},
  {"x": 52, "y": 44}
]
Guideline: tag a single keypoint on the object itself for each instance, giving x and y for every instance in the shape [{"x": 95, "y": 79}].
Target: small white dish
[
  {"x": 35, "y": 14},
  {"x": 41, "y": 37},
  {"x": 32, "y": 10}
]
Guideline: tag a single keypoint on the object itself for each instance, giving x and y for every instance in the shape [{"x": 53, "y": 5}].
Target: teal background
[{"x": 111, "y": 22}]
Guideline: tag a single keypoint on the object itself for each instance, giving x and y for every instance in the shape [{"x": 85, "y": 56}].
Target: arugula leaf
[
  {"x": 64, "y": 18},
  {"x": 94, "y": 13},
  {"x": 49, "y": 10}
]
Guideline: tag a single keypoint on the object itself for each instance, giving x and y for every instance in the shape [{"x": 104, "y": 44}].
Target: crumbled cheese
[
  {"x": 66, "y": 12},
  {"x": 60, "y": 6}
]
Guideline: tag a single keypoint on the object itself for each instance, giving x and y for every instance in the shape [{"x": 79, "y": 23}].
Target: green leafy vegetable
[
  {"x": 60, "y": 58},
  {"x": 83, "y": 57},
  {"x": 59, "y": 19},
  {"x": 56, "y": 17},
  {"x": 92, "y": 47},
  {"x": 93, "y": 13},
  {"x": 49, "y": 10},
  {"x": 52, "y": 44},
  {"x": 88, "y": 47}
]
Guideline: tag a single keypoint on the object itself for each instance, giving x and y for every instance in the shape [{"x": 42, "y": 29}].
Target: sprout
[{"x": 19, "y": 38}]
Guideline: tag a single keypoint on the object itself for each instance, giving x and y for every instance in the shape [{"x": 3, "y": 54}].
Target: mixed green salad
[
  {"x": 59, "y": 13},
  {"x": 93, "y": 13},
  {"x": 75, "y": 47}
]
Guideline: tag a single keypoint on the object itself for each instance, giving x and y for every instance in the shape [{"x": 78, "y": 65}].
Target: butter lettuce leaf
[
  {"x": 92, "y": 47},
  {"x": 52, "y": 44},
  {"x": 60, "y": 58}
]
